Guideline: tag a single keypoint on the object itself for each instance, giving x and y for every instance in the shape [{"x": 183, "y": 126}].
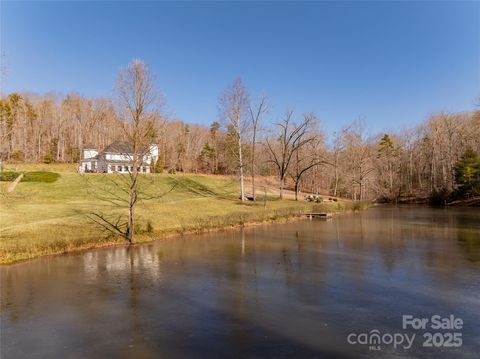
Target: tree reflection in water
[{"x": 285, "y": 290}]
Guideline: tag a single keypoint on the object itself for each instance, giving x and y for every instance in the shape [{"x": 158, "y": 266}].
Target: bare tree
[
  {"x": 137, "y": 99},
  {"x": 257, "y": 113},
  {"x": 358, "y": 157},
  {"x": 338, "y": 147},
  {"x": 137, "y": 104},
  {"x": 306, "y": 158},
  {"x": 289, "y": 139},
  {"x": 233, "y": 106}
]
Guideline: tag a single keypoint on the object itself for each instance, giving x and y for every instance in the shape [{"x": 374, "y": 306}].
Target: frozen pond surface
[{"x": 293, "y": 290}]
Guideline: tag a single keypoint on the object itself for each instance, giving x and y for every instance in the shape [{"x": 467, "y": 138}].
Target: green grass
[
  {"x": 40, "y": 176},
  {"x": 34, "y": 176},
  {"x": 8, "y": 176},
  {"x": 43, "y": 218}
]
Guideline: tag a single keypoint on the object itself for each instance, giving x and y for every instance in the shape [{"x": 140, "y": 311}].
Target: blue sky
[{"x": 391, "y": 63}]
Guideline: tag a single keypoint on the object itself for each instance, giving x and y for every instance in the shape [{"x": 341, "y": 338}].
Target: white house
[{"x": 116, "y": 158}]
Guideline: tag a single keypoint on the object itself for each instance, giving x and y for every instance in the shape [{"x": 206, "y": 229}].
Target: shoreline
[
  {"x": 45, "y": 219},
  {"x": 173, "y": 236}
]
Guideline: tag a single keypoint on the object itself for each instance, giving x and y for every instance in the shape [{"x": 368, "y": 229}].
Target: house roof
[{"x": 119, "y": 147}]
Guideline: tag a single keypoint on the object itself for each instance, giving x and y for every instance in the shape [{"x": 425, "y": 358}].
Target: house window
[
  {"x": 131, "y": 168},
  {"x": 119, "y": 168},
  {"x": 125, "y": 168},
  {"x": 86, "y": 167},
  {"x": 144, "y": 169}
]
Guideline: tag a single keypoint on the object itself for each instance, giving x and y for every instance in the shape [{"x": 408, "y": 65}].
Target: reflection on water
[{"x": 289, "y": 290}]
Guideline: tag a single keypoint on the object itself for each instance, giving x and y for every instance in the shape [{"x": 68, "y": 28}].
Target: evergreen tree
[
  {"x": 207, "y": 157},
  {"x": 156, "y": 166},
  {"x": 387, "y": 154},
  {"x": 159, "y": 165},
  {"x": 467, "y": 173}
]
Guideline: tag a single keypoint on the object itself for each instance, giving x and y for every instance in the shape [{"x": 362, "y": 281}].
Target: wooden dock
[{"x": 323, "y": 215}]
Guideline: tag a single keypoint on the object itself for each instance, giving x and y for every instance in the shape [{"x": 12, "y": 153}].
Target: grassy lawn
[{"x": 50, "y": 218}]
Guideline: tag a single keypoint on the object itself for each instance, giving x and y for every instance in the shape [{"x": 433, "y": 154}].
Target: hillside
[{"x": 49, "y": 218}]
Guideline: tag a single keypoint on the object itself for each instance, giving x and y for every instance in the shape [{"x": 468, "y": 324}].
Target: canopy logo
[{"x": 375, "y": 339}]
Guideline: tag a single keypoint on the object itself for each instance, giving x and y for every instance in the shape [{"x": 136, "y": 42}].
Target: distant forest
[{"x": 439, "y": 158}]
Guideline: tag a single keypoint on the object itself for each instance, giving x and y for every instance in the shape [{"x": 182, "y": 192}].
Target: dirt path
[{"x": 13, "y": 185}]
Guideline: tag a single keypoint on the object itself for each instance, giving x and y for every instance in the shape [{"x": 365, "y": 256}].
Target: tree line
[{"x": 439, "y": 155}]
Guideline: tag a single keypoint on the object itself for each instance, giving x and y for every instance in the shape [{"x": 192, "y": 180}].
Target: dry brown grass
[{"x": 49, "y": 218}]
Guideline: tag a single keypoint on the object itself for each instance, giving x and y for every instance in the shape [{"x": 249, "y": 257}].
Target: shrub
[
  {"x": 8, "y": 176},
  {"x": 149, "y": 228},
  {"x": 439, "y": 198},
  {"x": 137, "y": 229},
  {"x": 40, "y": 176},
  {"x": 48, "y": 158}
]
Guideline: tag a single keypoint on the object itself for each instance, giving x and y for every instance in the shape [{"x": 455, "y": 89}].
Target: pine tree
[
  {"x": 159, "y": 165},
  {"x": 467, "y": 173}
]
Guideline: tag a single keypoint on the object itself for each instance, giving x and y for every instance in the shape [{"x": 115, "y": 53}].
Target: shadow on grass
[{"x": 189, "y": 185}]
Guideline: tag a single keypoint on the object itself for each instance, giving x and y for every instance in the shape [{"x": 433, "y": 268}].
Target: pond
[{"x": 301, "y": 289}]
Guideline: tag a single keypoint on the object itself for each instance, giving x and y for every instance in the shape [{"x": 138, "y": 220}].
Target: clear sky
[{"x": 391, "y": 63}]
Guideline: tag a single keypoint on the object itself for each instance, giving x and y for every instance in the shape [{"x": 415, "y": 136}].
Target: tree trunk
[
  {"x": 132, "y": 197},
  {"x": 336, "y": 180},
  {"x": 253, "y": 169},
  {"x": 390, "y": 170},
  {"x": 131, "y": 218},
  {"x": 10, "y": 146},
  {"x": 282, "y": 183},
  {"x": 240, "y": 160},
  {"x": 411, "y": 173},
  {"x": 432, "y": 175}
]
